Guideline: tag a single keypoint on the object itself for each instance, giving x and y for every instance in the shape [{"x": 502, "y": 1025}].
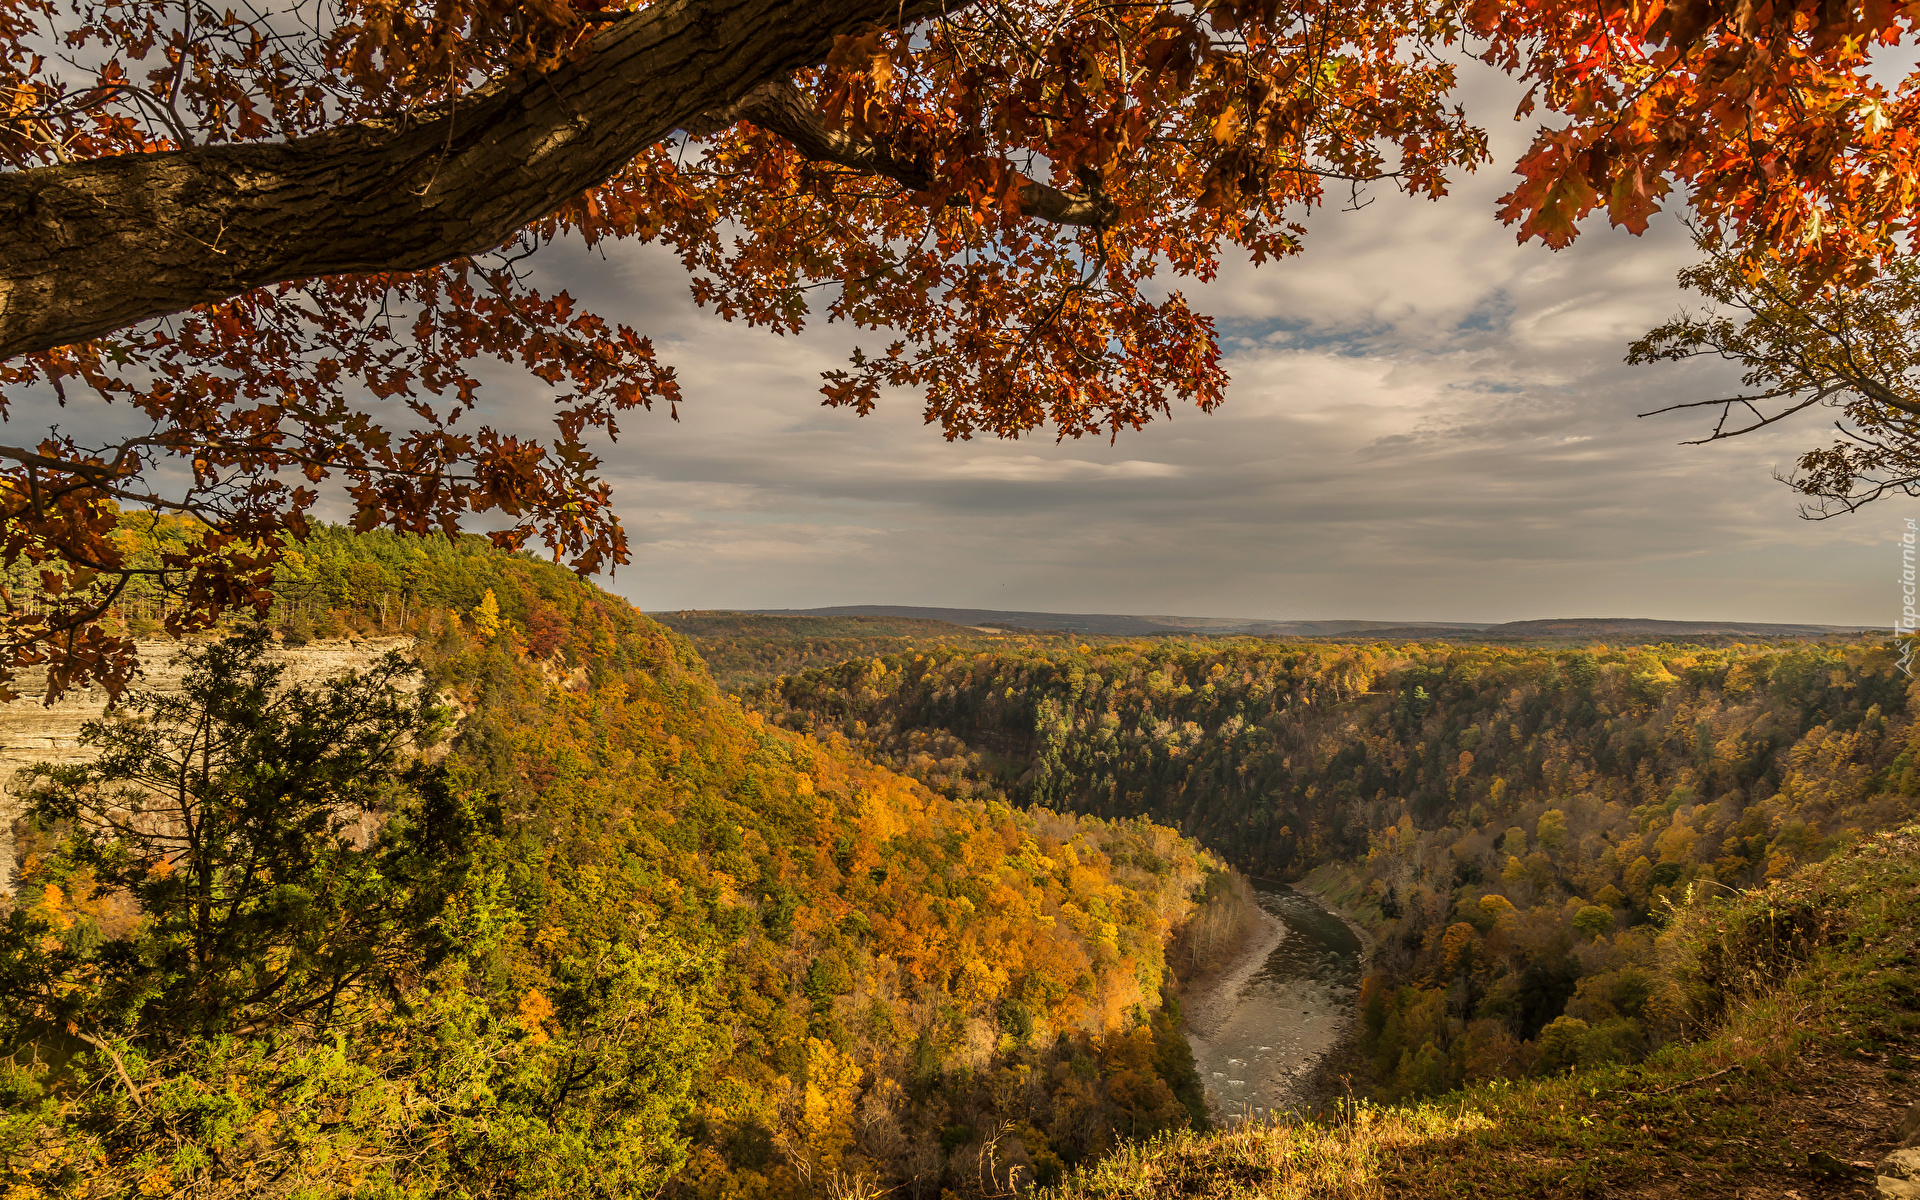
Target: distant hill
[
  {"x": 1616, "y": 627},
  {"x": 1615, "y": 630},
  {"x": 1112, "y": 624},
  {"x": 936, "y": 622},
  {"x": 703, "y": 623}
]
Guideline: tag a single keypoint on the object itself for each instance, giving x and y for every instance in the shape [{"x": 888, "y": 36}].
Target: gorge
[{"x": 910, "y": 914}]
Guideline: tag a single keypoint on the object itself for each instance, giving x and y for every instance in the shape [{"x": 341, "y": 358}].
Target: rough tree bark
[{"x": 95, "y": 245}]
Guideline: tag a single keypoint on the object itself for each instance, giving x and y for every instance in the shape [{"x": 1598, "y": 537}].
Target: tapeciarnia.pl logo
[{"x": 1904, "y": 629}]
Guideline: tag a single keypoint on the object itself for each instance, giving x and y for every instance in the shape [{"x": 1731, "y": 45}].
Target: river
[{"x": 1259, "y": 1028}]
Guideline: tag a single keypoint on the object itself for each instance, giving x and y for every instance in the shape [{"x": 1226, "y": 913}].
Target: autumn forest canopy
[
  {"x": 281, "y": 244},
  {"x": 531, "y": 907},
  {"x": 535, "y": 911}
]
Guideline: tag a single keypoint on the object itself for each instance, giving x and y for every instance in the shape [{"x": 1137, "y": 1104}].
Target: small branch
[
  {"x": 118, "y": 1066},
  {"x": 1702, "y": 1079},
  {"x": 1761, "y": 421},
  {"x": 1774, "y": 395},
  {"x": 780, "y": 109}
]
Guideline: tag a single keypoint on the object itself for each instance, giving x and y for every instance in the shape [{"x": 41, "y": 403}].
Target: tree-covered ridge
[
  {"x": 336, "y": 582},
  {"x": 744, "y": 650},
  {"x": 720, "y": 623},
  {"x": 1511, "y": 822},
  {"x": 859, "y": 978}
]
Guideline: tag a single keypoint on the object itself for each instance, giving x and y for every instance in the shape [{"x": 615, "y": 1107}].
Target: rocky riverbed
[{"x": 1259, "y": 1028}]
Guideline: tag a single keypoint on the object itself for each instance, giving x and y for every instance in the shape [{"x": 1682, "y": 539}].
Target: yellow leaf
[{"x": 1226, "y": 126}]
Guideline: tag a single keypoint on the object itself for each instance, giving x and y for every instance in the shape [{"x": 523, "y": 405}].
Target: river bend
[{"x": 1260, "y": 1027}]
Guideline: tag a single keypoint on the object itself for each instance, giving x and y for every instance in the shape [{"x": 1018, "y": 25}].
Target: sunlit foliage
[
  {"x": 744, "y": 958},
  {"x": 1513, "y": 823}
]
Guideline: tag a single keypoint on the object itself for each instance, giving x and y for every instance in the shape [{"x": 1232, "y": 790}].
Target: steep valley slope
[
  {"x": 1513, "y": 826},
  {"x": 857, "y": 983}
]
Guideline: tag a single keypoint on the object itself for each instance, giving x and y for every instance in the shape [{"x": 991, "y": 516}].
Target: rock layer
[{"x": 33, "y": 731}]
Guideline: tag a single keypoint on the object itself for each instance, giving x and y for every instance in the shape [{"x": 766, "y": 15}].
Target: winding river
[{"x": 1259, "y": 1028}]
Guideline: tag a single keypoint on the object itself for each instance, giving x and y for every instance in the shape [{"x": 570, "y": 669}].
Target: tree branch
[
  {"x": 120, "y": 1068},
  {"x": 94, "y": 245},
  {"x": 778, "y": 107}
]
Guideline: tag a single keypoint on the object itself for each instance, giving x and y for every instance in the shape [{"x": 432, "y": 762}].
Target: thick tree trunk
[{"x": 95, "y": 245}]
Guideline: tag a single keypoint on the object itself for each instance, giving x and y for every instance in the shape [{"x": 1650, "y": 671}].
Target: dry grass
[{"x": 1349, "y": 1160}]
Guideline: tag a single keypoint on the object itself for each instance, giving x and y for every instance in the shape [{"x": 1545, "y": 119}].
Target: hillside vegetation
[
  {"x": 1804, "y": 996},
  {"x": 1510, "y": 823},
  {"x": 620, "y": 935},
  {"x": 746, "y": 649},
  {"x": 911, "y": 921}
]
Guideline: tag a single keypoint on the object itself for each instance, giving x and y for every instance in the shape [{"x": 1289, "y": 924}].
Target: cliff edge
[{"x": 33, "y": 731}]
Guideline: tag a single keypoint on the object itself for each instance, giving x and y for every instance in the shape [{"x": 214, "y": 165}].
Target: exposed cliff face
[{"x": 32, "y": 731}]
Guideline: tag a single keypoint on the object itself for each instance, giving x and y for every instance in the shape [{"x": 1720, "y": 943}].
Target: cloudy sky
[{"x": 1426, "y": 421}]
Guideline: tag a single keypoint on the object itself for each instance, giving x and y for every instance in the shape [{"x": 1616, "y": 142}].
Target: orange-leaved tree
[{"x": 278, "y": 237}]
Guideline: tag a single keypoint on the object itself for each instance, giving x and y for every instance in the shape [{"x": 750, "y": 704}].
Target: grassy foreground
[{"x": 1803, "y": 999}]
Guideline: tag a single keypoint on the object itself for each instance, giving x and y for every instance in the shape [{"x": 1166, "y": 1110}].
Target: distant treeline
[
  {"x": 746, "y": 649},
  {"x": 700, "y": 623}
]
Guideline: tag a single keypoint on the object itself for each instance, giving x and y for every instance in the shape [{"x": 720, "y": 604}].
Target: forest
[
  {"x": 914, "y": 920},
  {"x": 614, "y": 933},
  {"x": 1512, "y": 825},
  {"x": 742, "y": 649},
  {"x": 558, "y": 901}
]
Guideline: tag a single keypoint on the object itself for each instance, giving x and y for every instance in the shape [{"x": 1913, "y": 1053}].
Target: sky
[{"x": 1427, "y": 421}]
